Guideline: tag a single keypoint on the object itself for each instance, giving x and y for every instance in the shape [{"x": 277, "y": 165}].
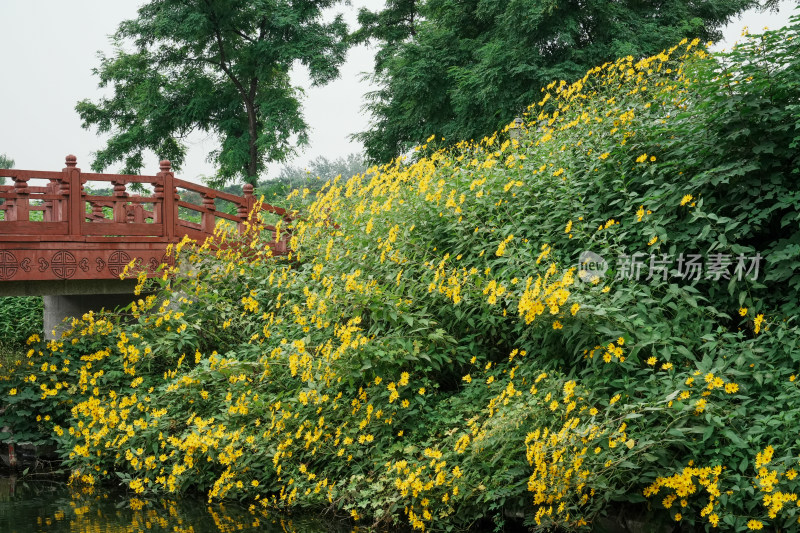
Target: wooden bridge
[{"x": 83, "y": 226}]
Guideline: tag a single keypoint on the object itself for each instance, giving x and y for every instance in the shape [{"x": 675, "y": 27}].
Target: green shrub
[{"x": 20, "y": 317}]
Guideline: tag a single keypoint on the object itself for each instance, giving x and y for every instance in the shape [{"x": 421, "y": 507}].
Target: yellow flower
[
  {"x": 421, "y": 390},
  {"x": 699, "y": 406},
  {"x": 686, "y": 199},
  {"x": 12, "y": 392},
  {"x": 652, "y": 361},
  {"x": 666, "y": 366},
  {"x": 754, "y": 525},
  {"x": 642, "y": 158},
  {"x": 758, "y": 321},
  {"x": 742, "y": 311},
  {"x": 730, "y": 388}
]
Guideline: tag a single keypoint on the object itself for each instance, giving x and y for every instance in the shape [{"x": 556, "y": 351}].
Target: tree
[
  {"x": 326, "y": 169},
  {"x": 470, "y": 66},
  {"x": 219, "y": 66},
  {"x": 293, "y": 177},
  {"x": 5, "y": 162},
  {"x": 391, "y": 26}
]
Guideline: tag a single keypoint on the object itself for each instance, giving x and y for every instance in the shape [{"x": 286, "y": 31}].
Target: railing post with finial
[
  {"x": 246, "y": 207},
  {"x": 51, "y": 206},
  {"x": 75, "y": 210},
  {"x": 22, "y": 204},
  {"x": 169, "y": 206},
  {"x": 62, "y": 207}
]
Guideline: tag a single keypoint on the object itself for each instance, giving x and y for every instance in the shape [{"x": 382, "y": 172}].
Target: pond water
[{"x": 28, "y": 505}]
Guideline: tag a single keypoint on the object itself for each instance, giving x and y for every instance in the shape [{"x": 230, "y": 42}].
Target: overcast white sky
[{"x": 48, "y": 48}]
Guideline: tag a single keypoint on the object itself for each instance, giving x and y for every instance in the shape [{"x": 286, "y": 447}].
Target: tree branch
[
  {"x": 222, "y": 60},
  {"x": 244, "y": 36}
]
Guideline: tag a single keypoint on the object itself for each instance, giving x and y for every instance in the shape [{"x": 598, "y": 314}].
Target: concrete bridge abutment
[{"x": 66, "y": 298}]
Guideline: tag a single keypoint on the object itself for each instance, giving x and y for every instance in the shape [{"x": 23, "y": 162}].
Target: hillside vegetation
[{"x": 432, "y": 352}]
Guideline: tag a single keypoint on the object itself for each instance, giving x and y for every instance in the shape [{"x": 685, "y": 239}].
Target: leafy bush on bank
[
  {"x": 20, "y": 317},
  {"x": 433, "y": 352}
]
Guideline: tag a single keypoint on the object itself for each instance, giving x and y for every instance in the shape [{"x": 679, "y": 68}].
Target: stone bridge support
[{"x": 63, "y": 299}]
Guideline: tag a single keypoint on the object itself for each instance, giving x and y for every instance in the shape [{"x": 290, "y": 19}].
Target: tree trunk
[{"x": 252, "y": 127}]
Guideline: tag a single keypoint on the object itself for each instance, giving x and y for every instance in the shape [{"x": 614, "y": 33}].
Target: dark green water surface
[{"x": 31, "y": 506}]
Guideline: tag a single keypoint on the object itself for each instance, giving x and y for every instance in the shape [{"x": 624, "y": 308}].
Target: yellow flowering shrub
[{"x": 434, "y": 350}]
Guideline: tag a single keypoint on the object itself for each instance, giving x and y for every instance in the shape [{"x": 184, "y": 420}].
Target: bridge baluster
[
  {"x": 208, "y": 219},
  {"x": 135, "y": 213},
  {"x": 97, "y": 212},
  {"x": 158, "y": 202},
  {"x": 60, "y": 207},
  {"x": 10, "y": 215},
  {"x": 50, "y": 206},
  {"x": 120, "y": 194}
]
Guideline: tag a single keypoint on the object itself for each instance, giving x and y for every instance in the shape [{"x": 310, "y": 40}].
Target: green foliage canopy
[
  {"x": 470, "y": 66},
  {"x": 220, "y": 67}
]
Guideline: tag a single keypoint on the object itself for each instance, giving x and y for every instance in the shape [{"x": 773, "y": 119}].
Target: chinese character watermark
[{"x": 690, "y": 267}]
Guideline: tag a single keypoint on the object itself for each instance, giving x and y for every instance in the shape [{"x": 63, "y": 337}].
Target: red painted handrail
[{"x": 80, "y": 235}]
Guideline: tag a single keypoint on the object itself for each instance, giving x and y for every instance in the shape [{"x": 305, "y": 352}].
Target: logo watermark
[
  {"x": 591, "y": 266},
  {"x": 686, "y": 266}
]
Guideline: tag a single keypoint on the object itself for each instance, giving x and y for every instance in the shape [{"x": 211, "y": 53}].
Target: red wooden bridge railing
[{"x": 64, "y": 229}]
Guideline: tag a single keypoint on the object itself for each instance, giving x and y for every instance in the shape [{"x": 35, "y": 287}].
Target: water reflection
[{"x": 28, "y": 506}]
